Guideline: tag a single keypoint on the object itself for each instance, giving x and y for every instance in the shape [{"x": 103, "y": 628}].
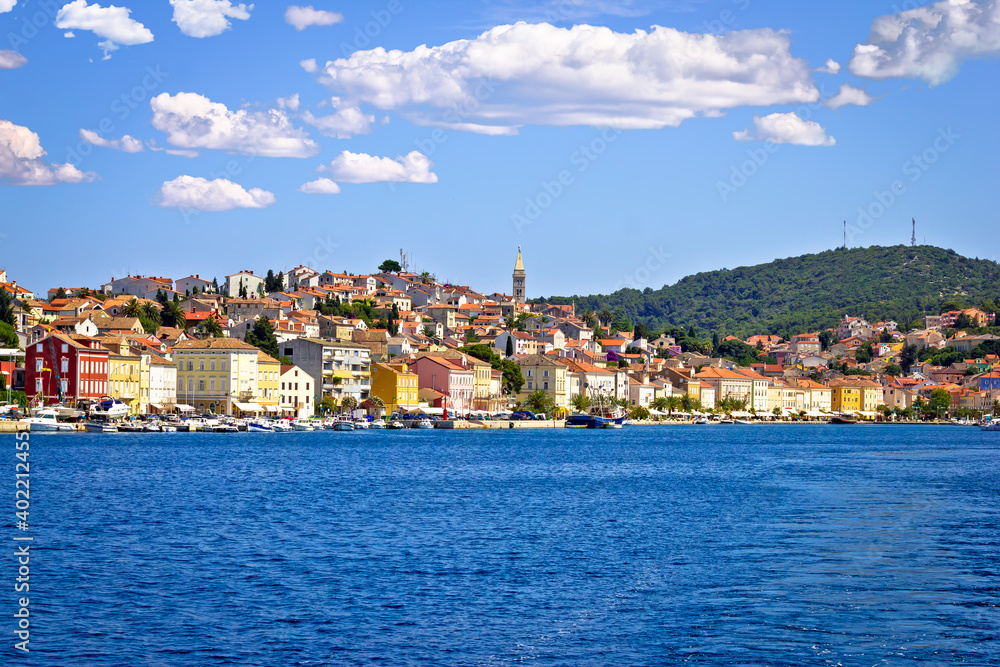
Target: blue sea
[{"x": 756, "y": 545}]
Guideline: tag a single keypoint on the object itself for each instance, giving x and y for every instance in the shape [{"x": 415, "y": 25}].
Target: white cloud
[
  {"x": 200, "y": 194},
  {"x": 351, "y": 167},
  {"x": 848, "y": 95},
  {"x": 831, "y": 67},
  {"x": 322, "y": 186},
  {"x": 127, "y": 144},
  {"x": 69, "y": 34},
  {"x": 786, "y": 128},
  {"x": 7, "y": 5},
  {"x": 309, "y": 65},
  {"x": 21, "y": 160},
  {"x": 112, "y": 23},
  {"x": 194, "y": 121},
  {"x": 291, "y": 103},
  {"x": 342, "y": 124},
  {"x": 521, "y": 74},
  {"x": 929, "y": 42},
  {"x": 303, "y": 17},
  {"x": 207, "y": 18},
  {"x": 11, "y": 59}
]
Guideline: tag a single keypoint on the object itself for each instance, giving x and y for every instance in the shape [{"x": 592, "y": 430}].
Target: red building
[{"x": 66, "y": 367}]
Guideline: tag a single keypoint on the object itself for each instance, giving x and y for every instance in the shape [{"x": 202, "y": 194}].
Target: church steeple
[{"x": 519, "y": 294}]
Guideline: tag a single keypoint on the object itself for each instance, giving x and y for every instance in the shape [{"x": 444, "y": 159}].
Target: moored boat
[
  {"x": 424, "y": 423},
  {"x": 46, "y": 421},
  {"x": 343, "y": 425},
  {"x": 843, "y": 419}
]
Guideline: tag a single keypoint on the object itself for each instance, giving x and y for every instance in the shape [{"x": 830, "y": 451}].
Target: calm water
[{"x": 763, "y": 545}]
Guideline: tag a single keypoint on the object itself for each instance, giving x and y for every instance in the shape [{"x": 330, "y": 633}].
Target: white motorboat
[
  {"x": 109, "y": 408},
  {"x": 377, "y": 424},
  {"x": 46, "y": 421},
  {"x": 303, "y": 425},
  {"x": 424, "y": 423},
  {"x": 743, "y": 422},
  {"x": 361, "y": 424},
  {"x": 168, "y": 428},
  {"x": 281, "y": 426},
  {"x": 703, "y": 421},
  {"x": 396, "y": 424},
  {"x": 990, "y": 425},
  {"x": 343, "y": 425},
  {"x": 259, "y": 426},
  {"x": 611, "y": 424},
  {"x": 151, "y": 428}
]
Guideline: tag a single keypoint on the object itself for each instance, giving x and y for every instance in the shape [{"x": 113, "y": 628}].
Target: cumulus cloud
[
  {"x": 786, "y": 128},
  {"x": 7, "y": 5},
  {"x": 322, "y": 186},
  {"x": 11, "y": 59},
  {"x": 309, "y": 65},
  {"x": 291, "y": 103},
  {"x": 350, "y": 167},
  {"x": 200, "y": 194},
  {"x": 848, "y": 95},
  {"x": 112, "y": 23},
  {"x": 207, "y": 18},
  {"x": 127, "y": 144},
  {"x": 303, "y": 17},
  {"x": 929, "y": 42},
  {"x": 343, "y": 124},
  {"x": 193, "y": 121},
  {"x": 21, "y": 160},
  {"x": 831, "y": 67},
  {"x": 514, "y": 75}
]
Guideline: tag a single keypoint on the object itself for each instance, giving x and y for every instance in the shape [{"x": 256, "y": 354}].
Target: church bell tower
[{"x": 519, "y": 295}]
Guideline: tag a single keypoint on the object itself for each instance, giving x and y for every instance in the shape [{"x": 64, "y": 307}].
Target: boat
[
  {"x": 46, "y": 421},
  {"x": 303, "y": 425},
  {"x": 990, "y": 425},
  {"x": 377, "y": 424},
  {"x": 222, "y": 428},
  {"x": 843, "y": 419},
  {"x": 703, "y": 421},
  {"x": 168, "y": 428},
  {"x": 612, "y": 424},
  {"x": 99, "y": 427},
  {"x": 343, "y": 425},
  {"x": 281, "y": 426},
  {"x": 726, "y": 421},
  {"x": 424, "y": 423},
  {"x": 259, "y": 426},
  {"x": 130, "y": 428},
  {"x": 396, "y": 424},
  {"x": 743, "y": 422},
  {"x": 151, "y": 428},
  {"x": 109, "y": 408},
  {"x": 361, "y": 424}
]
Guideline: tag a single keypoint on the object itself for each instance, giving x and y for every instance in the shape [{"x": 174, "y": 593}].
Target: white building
[
  {"x": 246, "y": 279},
  {"x": 296, "y": 392},
  {"x": 162, "y": 382}
]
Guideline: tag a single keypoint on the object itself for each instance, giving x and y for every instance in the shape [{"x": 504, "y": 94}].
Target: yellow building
[
  {"x": 124, "y": 373},
  {"x": 846, "y": 397},
  {"x": 217, "y": 375},
  {"x": 396, "y": 385},
  {"x": 268, "y": 379}
]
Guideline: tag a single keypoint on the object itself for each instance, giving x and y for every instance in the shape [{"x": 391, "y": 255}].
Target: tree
[
  {"x": 538, "y": 401},
  {"x": 7, "y": 308},
  {"x": 715, "y": 340},
  {"x": 262, "y": 337},
  {"x": 285, "y": 361},
  {"x": 963, "y": 321},
  {"x": 510, "y": 346},
  {"x": 273, "y": 283},
  {"x": 639, "y": 413},
  {"x": 60, "y": 294},
  {"x": 642, "y": 331},
  {"x": 132, "y": 308},
  {"x": 150, "y": 312},
  {"x": 425, "y": 277},
  {"x": 390, "y": 266},
  {"x": 827, "y": 338},
  {"x": 605, "y": 316},
  {"x": 660, "y": 404},
  {"x": 776, "y": 411},
  {"x": 394, "y": 320},
  {"x": 691, "y": 332},
  {"x": 211, "y": 327},
  {"x": 326, "y": 406},
  {"x": 908, "y": 357},
  {"x": 892, "y": 370},
  {"x": 161, "y": 296},
  {"x": 8, "y": 337},
  {"x": 171, "y": 315},
  {"x": 581, "y": 403},
  {"x": 939, "y": 400},
  {"x": 864, "y": 354},
  {"x": 348, "y": 403}
]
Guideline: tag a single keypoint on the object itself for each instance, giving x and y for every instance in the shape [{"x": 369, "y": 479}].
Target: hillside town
[{"x": 317, "y": 342}]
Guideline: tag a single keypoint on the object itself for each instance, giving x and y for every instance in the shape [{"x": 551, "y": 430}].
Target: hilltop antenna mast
[
  {"x": 845, "y": 234},
  {"x": 913, "y": 239}
]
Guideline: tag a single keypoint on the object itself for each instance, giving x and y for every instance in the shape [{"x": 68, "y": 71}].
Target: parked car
[{"x": 523, "y": 414}]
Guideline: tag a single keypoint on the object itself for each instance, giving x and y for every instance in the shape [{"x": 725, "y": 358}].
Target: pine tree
[{"x": 510, "y": 345}]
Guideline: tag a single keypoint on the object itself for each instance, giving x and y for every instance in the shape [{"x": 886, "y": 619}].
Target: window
[
  {"x": 545, "y": 385},
  {"x": 201, "y": 364},
  {"x": 38, "y": 384},
  {"x": 545, "y": 374},
  {"x": 201, "y": 384},
  {"x": 222, "y": 365},
  {"x": 529, "y": 384},
  {"x": 39, "y": 348},
  {"x": 212, "y": 364},
  {"x": 190, "y": 385},
  {"x": 65, "y": 348},
  {"x": 38, "y": 365},
  {"x": 190, "y": 365}
]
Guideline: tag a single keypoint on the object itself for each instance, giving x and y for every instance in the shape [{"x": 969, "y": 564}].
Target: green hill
[{"x": 810, "y": 292}]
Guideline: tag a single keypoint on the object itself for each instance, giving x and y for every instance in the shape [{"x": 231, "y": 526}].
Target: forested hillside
[{"x": 806, "y": 293}]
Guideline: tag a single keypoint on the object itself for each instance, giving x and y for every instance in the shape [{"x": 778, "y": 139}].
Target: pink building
[{"x": 447, "y": 377}]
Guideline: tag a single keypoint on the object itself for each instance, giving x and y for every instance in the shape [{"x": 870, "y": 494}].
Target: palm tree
[
  {"x": 537, "y": 401},
  {"x": 150, "y": 312},
  {"x": 605, "y": 316},
  {"x": 171, "y": 315},
  {"x": 132, "y": 308},
  {"x": 674, "y": 403},
  {"x": 212, "y": 327},
  {"x": 660, "y": 404},
  {"x": 581, "y": 402}
]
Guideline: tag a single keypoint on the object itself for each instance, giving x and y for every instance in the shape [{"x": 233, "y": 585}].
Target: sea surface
[{"x": 738, "y": 545}]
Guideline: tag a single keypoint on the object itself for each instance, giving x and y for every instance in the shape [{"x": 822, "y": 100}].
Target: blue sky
[{"x": 651, "y": 141}]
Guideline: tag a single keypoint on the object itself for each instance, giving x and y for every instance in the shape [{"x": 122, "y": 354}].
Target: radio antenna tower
[
  {"x": 913, "y": 239},
  {"x": 845, "y": 234}
]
